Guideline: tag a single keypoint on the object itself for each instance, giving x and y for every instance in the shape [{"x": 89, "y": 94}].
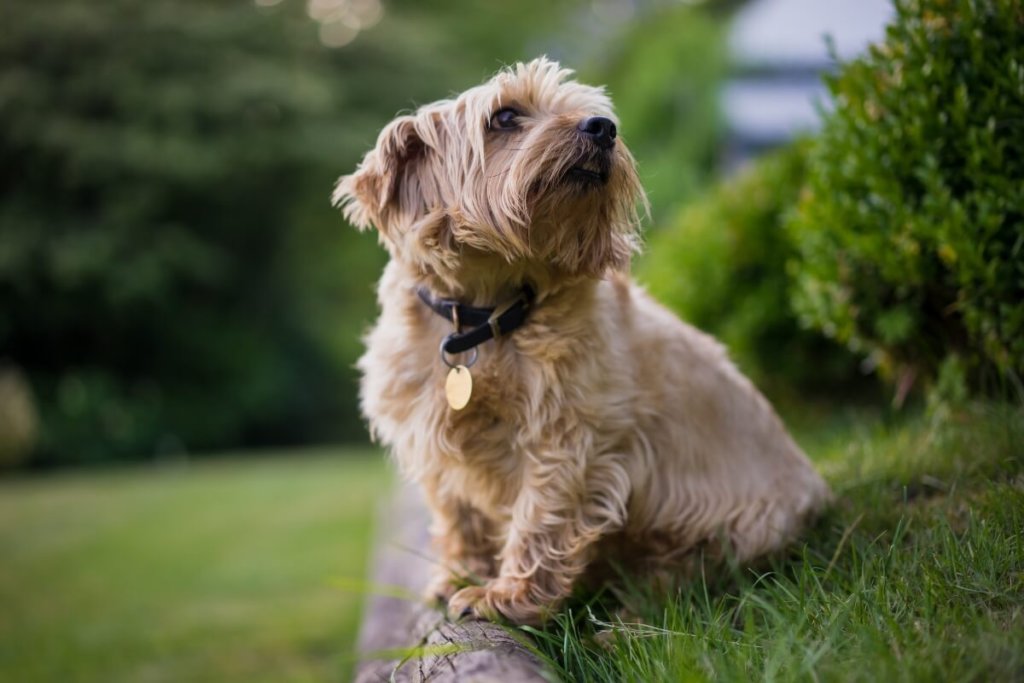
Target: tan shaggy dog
[{"x": 601, "y": 430}]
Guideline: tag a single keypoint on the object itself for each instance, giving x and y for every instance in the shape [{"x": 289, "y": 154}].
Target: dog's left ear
[{"x": 367, "y": 196}]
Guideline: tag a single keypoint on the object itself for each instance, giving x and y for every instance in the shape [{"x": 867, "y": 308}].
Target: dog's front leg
[
  {"x": 565, "y": 507},
  {"x": 463, "y": 538}
]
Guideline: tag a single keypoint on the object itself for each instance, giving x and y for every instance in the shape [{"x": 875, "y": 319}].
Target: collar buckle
[{"x": 495, "y": 318}]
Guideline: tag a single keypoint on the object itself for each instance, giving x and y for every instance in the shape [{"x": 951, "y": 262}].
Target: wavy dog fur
[{"x": 604, "y": 428}]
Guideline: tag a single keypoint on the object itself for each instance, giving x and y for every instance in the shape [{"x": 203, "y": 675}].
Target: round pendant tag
[{"x": 458, "y": 387}]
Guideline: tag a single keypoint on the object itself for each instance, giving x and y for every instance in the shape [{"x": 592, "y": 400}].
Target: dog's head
[{"x": 526, "y": 168}]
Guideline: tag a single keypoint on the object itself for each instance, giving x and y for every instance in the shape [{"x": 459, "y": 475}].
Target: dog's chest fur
[{"x": 519, "y": 403}]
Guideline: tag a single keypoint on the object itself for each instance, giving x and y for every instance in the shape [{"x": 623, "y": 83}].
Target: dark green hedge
[{"x": 911, "y": 231}]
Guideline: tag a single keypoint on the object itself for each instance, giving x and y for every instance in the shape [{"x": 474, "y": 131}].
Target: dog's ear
[{"x": 367, "y": 196}]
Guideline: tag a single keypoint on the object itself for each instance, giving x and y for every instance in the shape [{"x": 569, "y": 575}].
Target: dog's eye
[{"x": 505, "y": 119}]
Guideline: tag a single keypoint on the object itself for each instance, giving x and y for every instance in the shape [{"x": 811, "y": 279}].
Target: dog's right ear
[{"x": 368, "y": 196}]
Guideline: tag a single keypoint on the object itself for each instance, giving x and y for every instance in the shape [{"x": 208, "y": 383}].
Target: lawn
[
  {"x": 228, "y": 569},
  {"x": 216, "y": 570},
  {"x": 917, "y": 574}
]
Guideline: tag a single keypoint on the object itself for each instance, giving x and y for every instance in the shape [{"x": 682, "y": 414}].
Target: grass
[
  {"x": 917, "y": 574},
  {"x": 213, "y": 571}
]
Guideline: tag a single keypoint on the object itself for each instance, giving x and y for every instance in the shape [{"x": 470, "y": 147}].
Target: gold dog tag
[{"x": 458, "y": 387}]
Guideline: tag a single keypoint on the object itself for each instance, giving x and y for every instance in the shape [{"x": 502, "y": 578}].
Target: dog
[{"x": 557, "y": 418}]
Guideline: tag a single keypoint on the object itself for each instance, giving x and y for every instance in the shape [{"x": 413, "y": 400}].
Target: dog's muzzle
[{"x": 597, "y": 138}]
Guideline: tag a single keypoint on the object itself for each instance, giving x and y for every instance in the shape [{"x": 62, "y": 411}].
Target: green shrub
[
  {"x": 722, "y": 266},
  {"x": 911, "y": 230}
]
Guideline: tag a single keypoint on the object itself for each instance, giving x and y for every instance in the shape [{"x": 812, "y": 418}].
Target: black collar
[{"x": 486, "y": 323}]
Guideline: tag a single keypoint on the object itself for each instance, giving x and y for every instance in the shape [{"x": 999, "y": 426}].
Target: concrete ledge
[{"x": 406, "y": 640}]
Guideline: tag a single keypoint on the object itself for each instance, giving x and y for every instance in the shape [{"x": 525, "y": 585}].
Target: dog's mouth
[{"x": 593, "y": 171}]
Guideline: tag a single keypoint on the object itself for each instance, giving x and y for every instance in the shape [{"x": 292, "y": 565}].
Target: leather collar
[{"x": 485, "y": 323}]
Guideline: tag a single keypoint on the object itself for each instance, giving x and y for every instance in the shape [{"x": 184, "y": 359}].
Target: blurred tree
[
  {"x": 153, "y": 152},
  {"x": 171, "y": 275},
  {"x": 664, "y": 75}
]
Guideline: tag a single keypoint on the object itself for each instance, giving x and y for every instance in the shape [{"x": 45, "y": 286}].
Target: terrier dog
[{"x": 567, "y": 420}]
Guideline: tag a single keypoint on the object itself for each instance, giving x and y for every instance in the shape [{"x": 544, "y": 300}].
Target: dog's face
[{"x": 527, "y": 168}]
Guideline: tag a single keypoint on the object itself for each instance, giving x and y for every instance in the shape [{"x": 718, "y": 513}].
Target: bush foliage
[
  {"x": 721, "y": 264},
  {"x": 911, "y": 232}
]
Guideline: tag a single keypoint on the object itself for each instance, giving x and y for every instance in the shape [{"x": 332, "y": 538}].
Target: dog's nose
[{"x": 599, "y": 129}]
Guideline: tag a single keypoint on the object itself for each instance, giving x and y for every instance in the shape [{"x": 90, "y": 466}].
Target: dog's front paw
[
  {"x": 464, "y": 602},
  {"x": 499, "y": 599}
]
